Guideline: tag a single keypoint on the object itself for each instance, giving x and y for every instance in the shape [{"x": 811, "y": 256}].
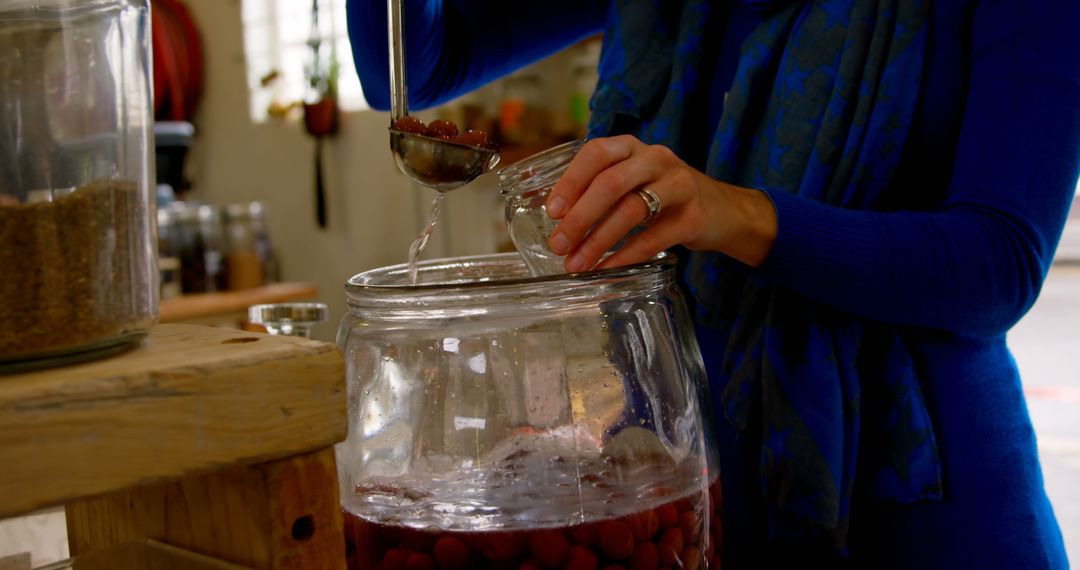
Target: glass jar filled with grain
[{"x": 77, "y": 246}]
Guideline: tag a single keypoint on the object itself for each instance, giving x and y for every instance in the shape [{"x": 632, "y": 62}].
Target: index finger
[{"x": 594, "y": 157}]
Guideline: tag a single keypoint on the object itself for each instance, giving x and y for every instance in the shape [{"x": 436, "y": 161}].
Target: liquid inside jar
[
  {"x": 672, "y": 533},
  {"x": 585, "y": 515}
]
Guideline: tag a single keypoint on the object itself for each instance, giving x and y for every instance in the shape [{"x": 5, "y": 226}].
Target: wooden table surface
[{"x": 189, "y": 400}]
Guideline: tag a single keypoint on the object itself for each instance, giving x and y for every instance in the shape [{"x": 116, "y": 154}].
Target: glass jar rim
[
  {"x": 366, "y": 280},
  {"x": 386, "y": 289},
  {"x": 70, "y": 8}
]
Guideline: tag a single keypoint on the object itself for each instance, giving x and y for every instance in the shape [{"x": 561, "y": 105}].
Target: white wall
[{"x": 374, "y": 212}]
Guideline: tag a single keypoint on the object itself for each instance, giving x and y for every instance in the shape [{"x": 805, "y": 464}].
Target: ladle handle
[{"x": 399, "y": 96}]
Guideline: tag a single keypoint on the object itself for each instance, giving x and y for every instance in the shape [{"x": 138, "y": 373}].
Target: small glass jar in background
[
  {"x": 526, "y": 185},
  {"x": 77, "y": 247},
  {"x": 199, "y": 245},
  {"x": 168, "y": 258},
  {"x": 248, "y": 257}
]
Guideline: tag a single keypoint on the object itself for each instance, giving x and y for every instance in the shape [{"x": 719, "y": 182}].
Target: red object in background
[
  {"x": 321, "y": 118},
  {"x": 178, "y": 61}
]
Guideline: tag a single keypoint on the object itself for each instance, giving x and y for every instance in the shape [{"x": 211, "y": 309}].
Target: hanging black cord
[{"x": 320, "y": 193}]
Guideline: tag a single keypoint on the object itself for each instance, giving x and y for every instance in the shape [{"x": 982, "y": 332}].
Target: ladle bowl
[{"x": 439, "y": 164}]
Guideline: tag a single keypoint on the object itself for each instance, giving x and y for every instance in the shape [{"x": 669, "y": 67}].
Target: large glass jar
[
  {"x": 77, "y": 246},
  {"x": 499, "y": 420}
]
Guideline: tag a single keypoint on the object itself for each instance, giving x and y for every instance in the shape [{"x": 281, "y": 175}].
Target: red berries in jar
[
  {"x": 668, "y": 535},
  {"x": 451, "y": 553}
]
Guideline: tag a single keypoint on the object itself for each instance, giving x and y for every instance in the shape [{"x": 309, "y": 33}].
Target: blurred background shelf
[{"x": 229, "y": 308}]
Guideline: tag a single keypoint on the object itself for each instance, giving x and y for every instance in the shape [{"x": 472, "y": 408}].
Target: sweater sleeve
[
  {"x": 975, "y": 264},
  {"x": 455, "y": 46}
]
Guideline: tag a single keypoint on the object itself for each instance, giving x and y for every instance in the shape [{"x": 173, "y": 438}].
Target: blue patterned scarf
[{"x": 820, "y": 107}]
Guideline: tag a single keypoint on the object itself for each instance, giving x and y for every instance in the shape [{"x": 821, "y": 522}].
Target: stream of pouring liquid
[{"x": 418, "y": 245}]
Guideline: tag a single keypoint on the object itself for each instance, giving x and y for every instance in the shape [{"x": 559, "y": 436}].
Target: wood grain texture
[
  {"x": 284, "y": 514},
  {"x": 146, "y": 555},
  {"x": 192, "y": 399},
  {"x": 200, "y": 306}
]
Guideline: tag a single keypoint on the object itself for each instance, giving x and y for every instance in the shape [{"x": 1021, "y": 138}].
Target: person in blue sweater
[{"x": 870, "y": 192}]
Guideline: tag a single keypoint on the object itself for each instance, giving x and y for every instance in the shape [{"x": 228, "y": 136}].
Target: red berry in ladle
[
  {"x": 442, "y": 129},
  {"x": 410, "y": 125}
]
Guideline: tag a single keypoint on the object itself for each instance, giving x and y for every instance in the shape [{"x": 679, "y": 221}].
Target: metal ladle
[{"x": 429, "y": 161}]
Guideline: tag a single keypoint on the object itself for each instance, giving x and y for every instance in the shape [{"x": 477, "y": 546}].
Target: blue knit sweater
[{"x": 990, "y": 166}]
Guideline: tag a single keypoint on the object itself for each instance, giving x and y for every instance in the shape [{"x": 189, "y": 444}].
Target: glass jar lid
[{"x": 539, "y": 171}]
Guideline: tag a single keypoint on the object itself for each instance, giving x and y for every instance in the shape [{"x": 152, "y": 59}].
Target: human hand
[{"x": 597, "y": 205}]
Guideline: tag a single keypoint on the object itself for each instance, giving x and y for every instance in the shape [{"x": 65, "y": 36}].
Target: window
[{"x": 276, "y": 33}]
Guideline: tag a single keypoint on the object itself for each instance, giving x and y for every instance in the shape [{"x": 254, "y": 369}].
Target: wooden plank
[
  {"x": 19, "y": 561},
  {"x": 191, "y": 399},
  {"x": 146, "y": 554},
  {"x": 282, "y": 515},
  {"x": 200, "y": 306},
  {"x": 308, "y": 524}
]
